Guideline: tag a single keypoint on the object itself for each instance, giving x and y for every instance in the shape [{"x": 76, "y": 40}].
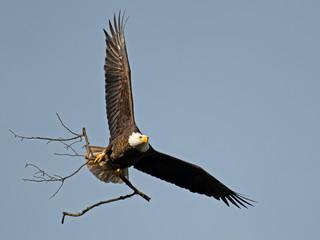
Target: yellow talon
[
  {"x": 100, "y": 157},
  {"x": 116, "y": 172}
]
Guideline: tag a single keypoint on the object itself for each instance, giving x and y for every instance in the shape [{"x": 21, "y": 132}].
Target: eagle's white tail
[{"x": 103, "y": 170}]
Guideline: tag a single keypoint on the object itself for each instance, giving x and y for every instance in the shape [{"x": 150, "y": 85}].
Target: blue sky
[{"x": 232, "y": 86}]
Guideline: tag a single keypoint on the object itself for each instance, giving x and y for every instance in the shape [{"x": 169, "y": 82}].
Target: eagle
[{"x": 128, "y": 147}]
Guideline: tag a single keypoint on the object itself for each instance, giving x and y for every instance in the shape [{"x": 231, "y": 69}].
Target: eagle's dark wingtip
[
  {"x": 225, "y": 201},
  {"x": 243, "y": 201}
]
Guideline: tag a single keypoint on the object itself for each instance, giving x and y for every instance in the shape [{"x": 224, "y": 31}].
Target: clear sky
[{"x": 233, "y": 86}]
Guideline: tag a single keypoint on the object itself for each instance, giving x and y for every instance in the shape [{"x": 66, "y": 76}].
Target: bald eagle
[{"x": 129, "y": 147}]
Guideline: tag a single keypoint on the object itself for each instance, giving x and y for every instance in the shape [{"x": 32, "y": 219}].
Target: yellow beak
[{"x": 144, "y": 139}]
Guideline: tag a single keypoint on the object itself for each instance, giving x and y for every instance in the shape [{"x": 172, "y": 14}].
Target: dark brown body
[{"x": 119, "y": 151}]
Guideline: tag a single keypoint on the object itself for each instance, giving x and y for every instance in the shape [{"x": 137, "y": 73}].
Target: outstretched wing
[
  {"x": 189, "y": 176},
  {"x": 118, "y": 80}
]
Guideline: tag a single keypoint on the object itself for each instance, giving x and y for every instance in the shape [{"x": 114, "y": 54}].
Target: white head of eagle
[{"x": 139, "y": 141}]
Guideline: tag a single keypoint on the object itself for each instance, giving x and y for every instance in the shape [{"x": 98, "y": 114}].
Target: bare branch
[
  {"x": 64, "y": 141},
  {"x": 88, "y": 149},
  {"x": 68, "y": 129},
  {"x": 54, "y": 139},
  {"x": 46, "y": 138},
  {"x": 69, "y": 146},
  {"x": 93, "y": 206},
  {"x": 70, "y": 155},
  {"x": 136, "y": 191},
  {"x": 42, "y": 176}
]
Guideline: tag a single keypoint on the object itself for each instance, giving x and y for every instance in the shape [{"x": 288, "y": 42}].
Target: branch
[
  {"x": 45, "y": 138},
  {"x": 68, "y": 129},
  {"x": 42, "y": 176},
  {"x": 136, "y": 191},
  {"x": 93, "y": 206},
  {"x": 69, "y": 146},
  {"x": 64, "y": 141},
  {"x": 127, "y": 182},
  {"x": 54, "y": 139}
]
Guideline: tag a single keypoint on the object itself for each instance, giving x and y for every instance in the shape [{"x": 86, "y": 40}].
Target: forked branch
[
  {"x": 42, "y": 176},
  {"x": 76, "y": 135},
  {"x": 64, "y": 214}
]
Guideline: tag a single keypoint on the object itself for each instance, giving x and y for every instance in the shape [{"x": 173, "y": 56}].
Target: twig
[
  {"x": 69, "y": 146},
  {"x": 68, "y": 129},
  {"x": 42, "y": 176},
  {"x": 45, "y": 138},
  {"x": 126, "y": 181},
  {"x": 93, "y": 206},
  {"x": 54, "y": 139},
  {"x": 88, "y": 149},
  {"x": 70, "y": 155},
  {"x": 60, "y": 139}
]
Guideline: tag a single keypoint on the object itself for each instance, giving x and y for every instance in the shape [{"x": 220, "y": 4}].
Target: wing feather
[
  {"x": 118, "y": 79},
  {"x": 189, "y": 176}
]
